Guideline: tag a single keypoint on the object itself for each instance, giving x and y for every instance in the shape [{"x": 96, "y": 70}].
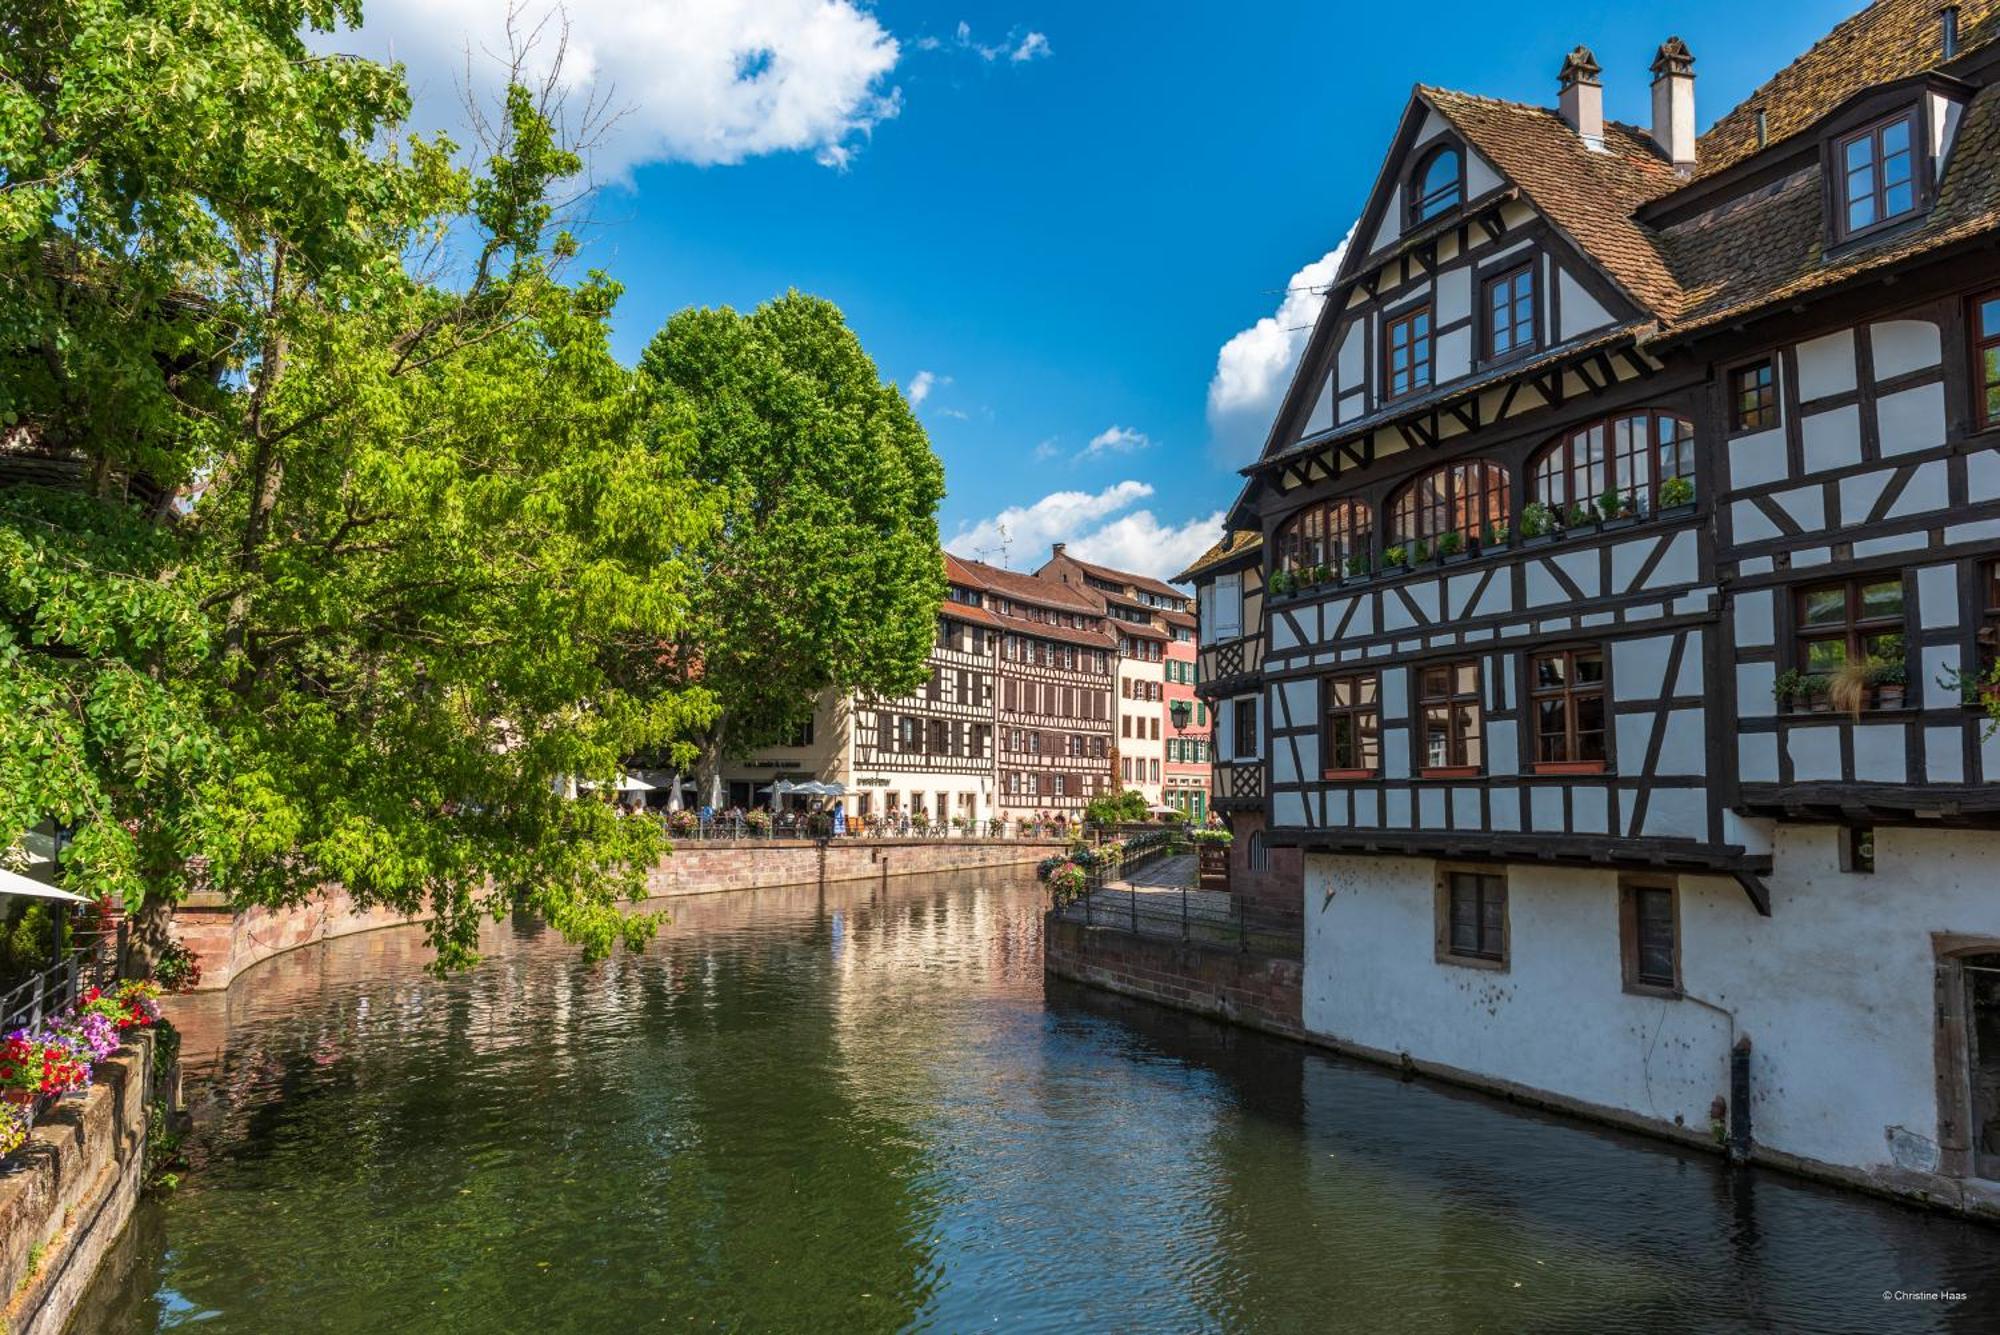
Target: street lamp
[{"x": 1181, "y": 710}]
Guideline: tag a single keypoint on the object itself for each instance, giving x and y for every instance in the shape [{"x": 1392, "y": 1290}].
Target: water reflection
[{"x": 866, "y": 1111}]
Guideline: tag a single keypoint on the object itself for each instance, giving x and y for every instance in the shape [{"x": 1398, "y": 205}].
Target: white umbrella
[
  {"x": 13, "y": 883},
  {"x": 626, "y": 784},
  {"x": 1160, "y": 809}
]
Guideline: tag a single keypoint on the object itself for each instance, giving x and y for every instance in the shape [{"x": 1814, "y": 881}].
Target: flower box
[{"x": 1570, "y": 767}]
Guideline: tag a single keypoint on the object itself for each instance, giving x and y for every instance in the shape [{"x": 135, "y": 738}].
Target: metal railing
[
  {"x": 1184, "y": 913},
  {"x": 722, "y": 829},
  {"x": 94, "y": 959}
]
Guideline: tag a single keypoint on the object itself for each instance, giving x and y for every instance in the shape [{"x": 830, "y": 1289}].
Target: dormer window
[
  {"x": 1878, "y": 174},
  {"x": 1438, "y": 184}
]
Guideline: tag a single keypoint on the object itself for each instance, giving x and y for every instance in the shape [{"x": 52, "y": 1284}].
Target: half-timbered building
[
  {"x": 1054, "y": 712},
  {"x": 1628, "y": 539}
]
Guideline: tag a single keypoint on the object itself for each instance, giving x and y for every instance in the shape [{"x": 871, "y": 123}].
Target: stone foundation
[
  {"x": 228, "y": 942},
  {"x": 68, "y": 1192},
  {"x": 1258, "y": 991}
]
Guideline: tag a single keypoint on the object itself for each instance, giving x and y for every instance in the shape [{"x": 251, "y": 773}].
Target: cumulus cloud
[
  {"x": 1033, "y": 47},
  {"x": 1254, "y": 368},
  {"x": 1099, "y": 526},
  {"x": 1115, "y": 440},
  {"x": 921, "y": 385},
  {"x": 711, "y": 82}
]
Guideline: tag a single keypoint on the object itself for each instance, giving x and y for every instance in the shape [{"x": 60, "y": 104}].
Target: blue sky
[{"x": 1059, "y": 214}]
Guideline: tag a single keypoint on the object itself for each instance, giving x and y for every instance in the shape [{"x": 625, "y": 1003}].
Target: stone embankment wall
[
  {"x": 71, "y": 1190},
  {"x": 229, "y": 942},
  {"x": 1259, "y": 991}
]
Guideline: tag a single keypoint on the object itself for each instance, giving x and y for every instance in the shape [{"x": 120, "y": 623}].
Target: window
[
  {"x": 1324, "y": 535},
  {"x": 1986, "y": 357},
  {"x": 1567, "y": 693},
  {"x": 1857, "y": 848},
  {"x": 1753, "y": 397},
  {"x": 1510, "y": 312},
  {"x": 801, "y": 734},
  {"x": 1629, "y": 455},
  {"x": 1472, "y": 918},
  {"x": 1649, "y": 933},
  {"x": 1244, "y": 728},
  {"x": 1435, "y": 187},
  {"x": 1352, "y": 732},
  {"x": 1850, "y": 645},
  {"x": 1467, "y": 499},
  {"x": 1406, "y": 353},
  {"x": 1877, "y": 174},
  {"x": 1448, "y": 695}
]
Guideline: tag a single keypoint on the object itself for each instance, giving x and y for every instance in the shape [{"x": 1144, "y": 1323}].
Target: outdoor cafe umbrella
[{"x": 13, "y": 883}]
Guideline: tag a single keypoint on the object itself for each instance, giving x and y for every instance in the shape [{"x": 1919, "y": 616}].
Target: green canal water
[{"x": 868, "y": 1111}]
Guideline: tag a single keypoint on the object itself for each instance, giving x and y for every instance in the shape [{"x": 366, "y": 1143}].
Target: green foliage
[
  {"x": 1451, "y": 544},
  {"x": 1359, "y": 563},
  {"x": 1676, "y": 491},
  {"x": 1123, "y": 808},
  {"x": 822, "y": 570},
  {"x": 1580, "y": 516},
  {"x": 1211, "y": 835},
  {"x": 1537, "y": 520},
  {"x": 1611, "y": 502},
  {"x": 1395, "y": 556}
]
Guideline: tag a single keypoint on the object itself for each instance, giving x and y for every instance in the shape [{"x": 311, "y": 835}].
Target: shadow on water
[{"x": 868, "y": 1110}]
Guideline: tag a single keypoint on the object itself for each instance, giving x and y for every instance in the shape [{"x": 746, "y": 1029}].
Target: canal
[{"x": 867, "y": 1111}]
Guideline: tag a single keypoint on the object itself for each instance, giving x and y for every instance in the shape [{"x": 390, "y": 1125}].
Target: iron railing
[
  {"x": 94, "y": 959},
  {"x": 1184, "y": 913},
  {"x": 727, "y": 830}
]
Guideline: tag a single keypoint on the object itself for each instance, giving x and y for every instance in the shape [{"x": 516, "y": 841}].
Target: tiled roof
[
  {"x": 1174, "y": 618},
  {"x": 1888, "y": 40},
  {"x": 1019, "y": 587},
  {"x": 1770, "y": 246},
  {"x": 1233, "y": 545},
  {"x": 1146, "y": 582},
  {"x": 1095, "y": 639},
  {"x": 1588, "y": 195}
]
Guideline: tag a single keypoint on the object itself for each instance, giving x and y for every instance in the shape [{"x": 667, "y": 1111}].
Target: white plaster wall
[
  {"x": 1834, "y": 990},
  {"x": 1581, "y": 312}
]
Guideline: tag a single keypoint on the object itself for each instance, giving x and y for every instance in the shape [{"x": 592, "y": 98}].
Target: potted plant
[
  {"x": 1889, "y": 680},
  {"x": 1396, "y": 556},
  {"x": 1611, "y": 505},
  {"x": 1451, "y": 545},
  {"x": 1280, "y": 582},
  {"x": 1847, "y": 686},
  {"x": 1794, "y": 687},
  {"x": 1498, "y": 535},
  {"x": 1580, "y": 517},
  {"x": 1676, "y": 493},
  {"x": 1538, "y": 523},
  {"x": 1358, "y": 565},
  {"x": 1422, "y": 555}
]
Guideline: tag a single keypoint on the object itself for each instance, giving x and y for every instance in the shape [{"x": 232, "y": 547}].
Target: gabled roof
[
  {"x": 1770, "y": 245},
  {"x": 1020, "y": 587},
  {"x": 1589, "y": 196},
  {"x": 1888, "y": 40},
  {"x": 1146, "y": 582},
  {"x": 1242, "y": 542}
]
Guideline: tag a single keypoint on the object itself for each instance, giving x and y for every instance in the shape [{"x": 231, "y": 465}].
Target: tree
[
  {"x": 1124, "y": 808},
  {"x": 422, "y": 565},
  {"x": 823, "y": 572}
]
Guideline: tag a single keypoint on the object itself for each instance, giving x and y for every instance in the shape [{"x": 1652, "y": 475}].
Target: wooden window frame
[
  {"x": 1327, "y": 534},
  {"x": 1568, "y": 693},
  {"x": 1390, "y": 324},
  {"x": 1414, "y": 213},
  {"x": 1236, "y": 708},
  {"x": 1765, "y": 412},
  {"x": 1878, "y": 193},
  {"x": 1355, "y": 712},
  {"x": 1456, "y": 738},
  {"x": 1985, "y": 393},
  {"x": 1564, "y": 460},
  {"x": 1488, "y": 330},
  {"x": 1852, "y": 631},
  {"x": 1445, "y": 953},
  {"x": 1631, "y": 891},
  {"x": 1408, "y": 511}
]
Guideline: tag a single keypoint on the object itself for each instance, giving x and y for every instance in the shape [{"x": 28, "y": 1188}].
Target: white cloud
[
  {"x": 704, "y": 81},
  {"x": 921, "y": 385},
  {"x": 1033, "y": 46},
  {"x": 1018, "y": 50},
  {"x": 1047, "y": 449},
  {"x": 1254, "y": 368},
  {"x": 1115, "y": 440},
  {"x": 1098, "y": 526}
]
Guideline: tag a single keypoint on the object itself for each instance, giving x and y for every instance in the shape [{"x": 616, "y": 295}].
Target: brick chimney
[
  {"x": 1056, "y": 549},
  {"x": 1673, "y": 104},
  {"x": 1581, "y": 100}
]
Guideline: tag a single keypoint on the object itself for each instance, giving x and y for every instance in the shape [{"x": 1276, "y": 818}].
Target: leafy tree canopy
[
  {"x": 1122, "y": 808},
  {"x": 824, "y": 571}
]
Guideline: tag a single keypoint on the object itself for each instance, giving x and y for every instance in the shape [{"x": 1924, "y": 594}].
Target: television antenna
[{"x": 1004, "y": 547}]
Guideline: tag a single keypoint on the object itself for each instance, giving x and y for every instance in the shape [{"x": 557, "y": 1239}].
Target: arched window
[
  {"x": 1324, "y": 535},
  {"x": 1467, "y": 499},
  {"x": 1631, "y": 455},
  {"x": 1434, "y": 186}
]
